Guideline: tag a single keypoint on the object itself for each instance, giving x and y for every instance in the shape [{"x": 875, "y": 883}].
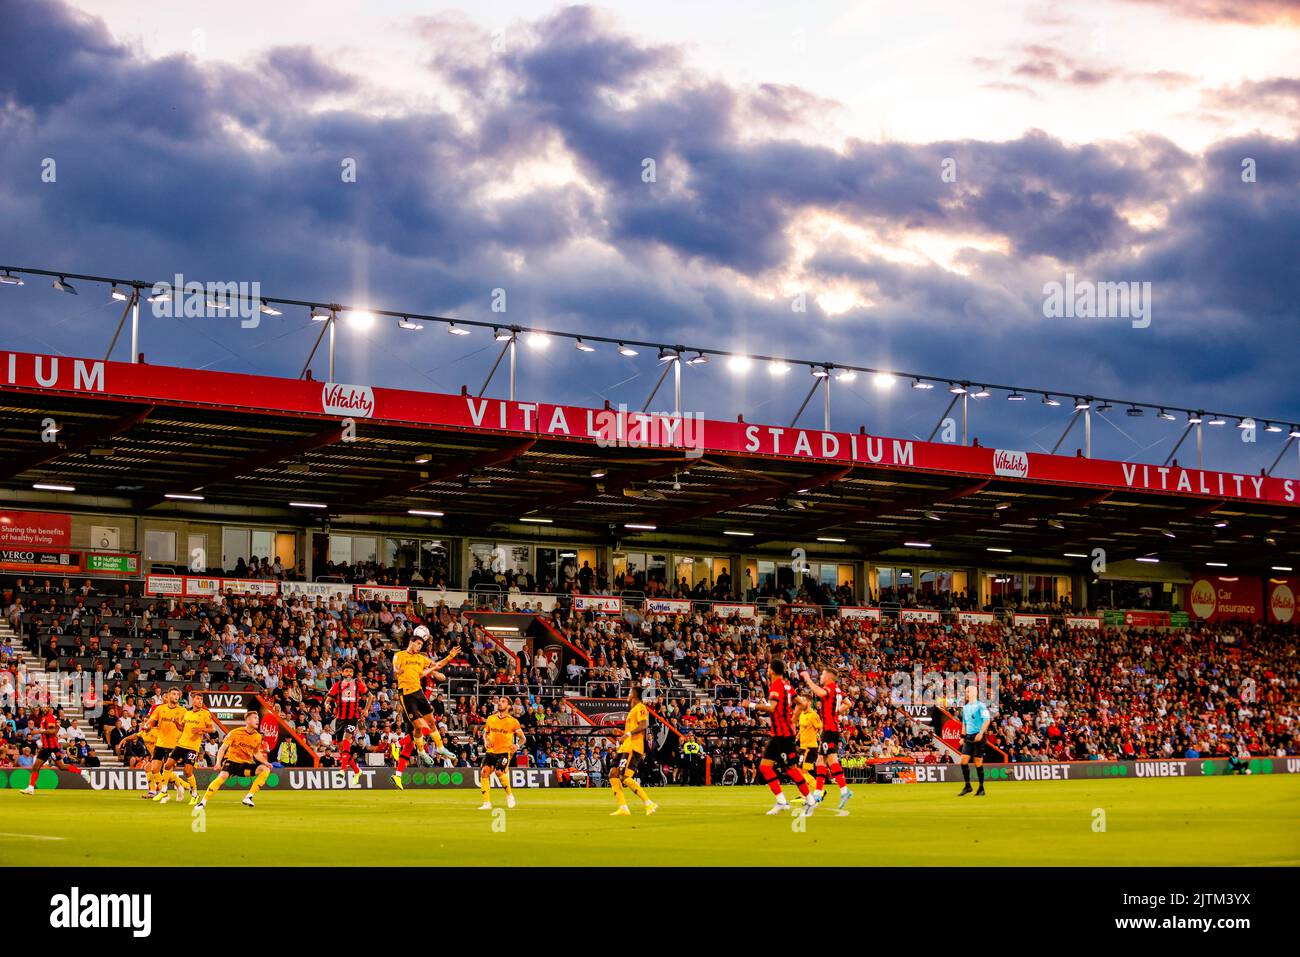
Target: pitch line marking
[{"x": 33, "y": 837}]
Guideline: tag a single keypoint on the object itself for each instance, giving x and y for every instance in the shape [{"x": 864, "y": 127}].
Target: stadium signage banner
[
  {"x": 919, "y": 614},
  {"x": 668, "y": 606},
  {"x": 282, "y": 779},
  {"x": 1137, "y": 619},
  {"x": 354, "y": 401},
  {"x": 315, "y": 589},
  {"x": 976, "y": 617},
  {"x": 1224, "y": 598},
  {"x": 106, "y": 380},
  {"x": 734, "y": 611},
  {"x": 35, "y": 530},
  {"x": 250, "y": 586},
  {"x": 1082, "y": 621},
  {"x": 113, "y": 563},
  {"x": 1031, "y": 621},
  {"x": 1105, "y": 770},
  {"x": 1282, "y": 599},
  {"x": 851, "y": 611},
  {"x": 30, "y": 560},
  {"x": 602, "y": 604},
  {"x": 381, "y": 593}
]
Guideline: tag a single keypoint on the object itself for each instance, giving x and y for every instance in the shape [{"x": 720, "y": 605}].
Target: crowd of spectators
[{"x": 1061, "y": 694}]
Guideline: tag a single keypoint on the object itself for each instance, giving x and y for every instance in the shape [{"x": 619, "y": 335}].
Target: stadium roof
[{"x": 129, "y": 435}]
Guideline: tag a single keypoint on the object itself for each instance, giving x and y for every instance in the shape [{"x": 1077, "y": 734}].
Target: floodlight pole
[
  {"x": 1087, "y": 432},
  {"x": 118, "y": 331},
  {"x": 1286, "y": 446},
  {"x": 677, "y": 385},
  {"x": 942, "y": 415},
  {"x": 508, "y": 347},
  {"x": 803, "y": 405},
  {"x": 1200, "y": 447},
  {"x": 311, "y": 355},
  {"x": 135, "y": 326},
  {"x": 330, "y": 324},
  {"x": 828, "y": 403},
  {"x": 965, "y": 396},
  {"x": 659, "y": 383},
  {"x": 1174, "y": 451},
  {"x": 1073, "y": 419}
]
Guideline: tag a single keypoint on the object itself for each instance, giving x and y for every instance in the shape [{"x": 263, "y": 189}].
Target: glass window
[{"x": 159, "y": 546}]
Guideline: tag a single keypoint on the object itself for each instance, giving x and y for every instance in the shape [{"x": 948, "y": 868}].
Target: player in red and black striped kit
[
  {"x": 828, "y": 709},
  {"x": 48, "y": 726},
  {"x": 348, "y": 699},
  {"x": 781, "y": 752}
]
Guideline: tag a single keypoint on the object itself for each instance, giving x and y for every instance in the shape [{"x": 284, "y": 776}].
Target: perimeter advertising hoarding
[
  {"x": 381, "y": 779},
  {"x": 281, "y": 779},
  {"x": 851, "y": 611},
  {"x": 100, "y": 379},
  {"x": 1225, "y": 598},
  {"x": 40, "y": 561},
  {"x": 668, "y": 606},
  {"x": 43, "y": 531},
  {"x": 1031, "y": 621},
  {"x": 976, "y": 617},
  {"x": 602, "y": 604}
]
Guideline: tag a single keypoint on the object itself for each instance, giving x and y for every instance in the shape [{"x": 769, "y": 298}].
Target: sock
[
  {"x": 636, "y": 789},
  {"x": 979, "y": 769},
  {"x": 31, "y": 783},
  {"x": 191, "y": 782},
  {"x": 505, "y": 782},
  {"x": 153, "y": 780},
  {"x": 965, "y": 774},
  {"x": 212, "y": 788},
  {"x": 258, "y": 781},
  {"x": 765, "y": 772},
  {"x": 795, "y": 775},
  {"x": 617, "y": 785},
  {"x": 821, "y": 777},
  {"x": 837, "y": 773},
  {"x": 486, "y": 785},
  {"x": 419, "y": 743}
]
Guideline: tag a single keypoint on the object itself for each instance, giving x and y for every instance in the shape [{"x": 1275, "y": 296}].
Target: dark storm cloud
[{"x": 234, "y": 172}]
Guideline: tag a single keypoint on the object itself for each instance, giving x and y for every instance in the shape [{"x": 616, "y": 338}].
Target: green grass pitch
[{"x": 1190, "y": 821}]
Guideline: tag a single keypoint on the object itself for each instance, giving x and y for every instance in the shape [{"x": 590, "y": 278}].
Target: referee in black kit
[{"x": 975, "y": 721}]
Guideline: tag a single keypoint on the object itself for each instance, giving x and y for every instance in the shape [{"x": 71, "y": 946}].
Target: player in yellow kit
[
  {"x": 240, "y": 754},
  {"x": 631, "y": 752},
  {"x": 150, "y": 738},
  {"x": 809, "y": 726},
  {"x": 167, "y": 719},
  {"x": 411, "y": 666},
  {"x": 196, "y": 724},
  {"x": 502, "y": 737}
]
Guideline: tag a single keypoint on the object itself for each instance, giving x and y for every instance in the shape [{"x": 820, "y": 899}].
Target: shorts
[
  {"x": 971, "y": 747},
  {"x": 49, "y": 754},
  {"x": 342, "y": 725},
  {"x": 416, "y": 705},
  {"x": 496, "y": 762},
  {"x": 628, "y": 761},
  {"x": 160, "y": 753},
  {"x": 781, "y": 751},
  {"x": 809, "y": 756},
  {"x": 239, "y": 770},
  {"x": 830, "y": 741},
  {"x": 184, "y": 755}
]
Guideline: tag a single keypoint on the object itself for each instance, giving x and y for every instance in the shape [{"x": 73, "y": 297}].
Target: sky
[{"x": 888, "y": 185}]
